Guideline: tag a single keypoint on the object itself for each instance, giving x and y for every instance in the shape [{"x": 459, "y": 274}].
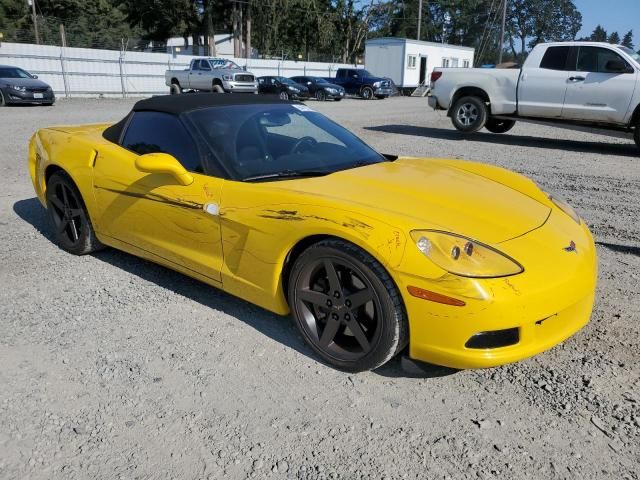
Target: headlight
[
  {"x": 294, "y": 89},
  {"x": 18, "y": 88},
  {"x": 465, "y": 257},
  {"x": 227, "y": 78},
  {"x": 564, "y": 206},
  {"x": 377, "y": 84},
  {"x": 332, "y": 90}
]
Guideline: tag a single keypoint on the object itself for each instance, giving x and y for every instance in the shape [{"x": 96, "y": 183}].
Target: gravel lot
[{"x": 112, "y": 367}]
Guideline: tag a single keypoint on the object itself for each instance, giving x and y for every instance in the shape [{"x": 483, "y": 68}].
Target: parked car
[
  {"x": 320, "y": 88},
  {"x": 218, "y": 75},
  {"x": 357, "y": 81},
  {"x": 17, "y": 86},
  {"x": 465, "y": 264},
  {"x": 284, "y": 87},
  {"x": 571, "y": 83}
]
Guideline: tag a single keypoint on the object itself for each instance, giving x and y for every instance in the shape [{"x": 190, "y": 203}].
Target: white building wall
[
  {"x": 392, "y": 58},
  {"x": 88, "y": 72}
]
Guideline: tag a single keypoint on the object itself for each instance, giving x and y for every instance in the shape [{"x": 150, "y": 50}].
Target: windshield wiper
[{"x": 288, "y": 174}]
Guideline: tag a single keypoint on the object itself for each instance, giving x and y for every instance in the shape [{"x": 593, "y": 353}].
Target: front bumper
[
  {"x": 547, "y": 303},
  {"x": 382, "y": 92},
  {"x": 333, "y": 96},
  {"x": 299, "y": 96},
  {"x": 240, "y": 87},
  {"x": 15, "y": 97}
]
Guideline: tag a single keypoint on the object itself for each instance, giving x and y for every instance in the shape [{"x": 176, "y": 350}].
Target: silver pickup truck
[{"x": 211, "y": 75}]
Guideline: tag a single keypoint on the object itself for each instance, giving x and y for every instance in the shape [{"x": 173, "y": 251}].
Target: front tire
[
  {"x": 321, "y": 95},
  {"x": 3, "y": 102},
  {"x": 217, "y": 88},
  {"x": 284, "y": 95},
  {"x": 367, "y": 93},
  {"x": 469, "y": 114},
  {"x": 346, "y": 306},
  {"x": 73, "y": 229},
  {"x": 496, "y": 125},
  {"x": 636, "y": 135}
]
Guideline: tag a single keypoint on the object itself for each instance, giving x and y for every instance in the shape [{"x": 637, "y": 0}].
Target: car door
[
  {"x": 542, "y": 89},
  {"x": 201, "y": 78},
  {"x": 152, "y": 212},
  {"x": 601, "y": 86}
]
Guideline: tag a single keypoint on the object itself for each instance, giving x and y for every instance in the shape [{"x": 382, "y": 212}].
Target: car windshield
[
  {"x": 631, "y": 53},
  {"x": 224, "y": 64},
  {"x": 13, "y": 72},
  {"x": 286, "y": 81},
  {"x": 271, "y": 141}
]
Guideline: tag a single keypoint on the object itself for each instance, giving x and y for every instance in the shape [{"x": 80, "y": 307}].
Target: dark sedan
[
  {"x": 320, "y": 88},
  {"x": 284, "y": 87},
  {"x": 20, "y": 87}
]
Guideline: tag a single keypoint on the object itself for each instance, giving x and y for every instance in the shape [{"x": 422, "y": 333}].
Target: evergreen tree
[
  {"x": 599, "y": 34},
  {"x": 627, "y": 40},
  {"x": 614, "y": 38}
]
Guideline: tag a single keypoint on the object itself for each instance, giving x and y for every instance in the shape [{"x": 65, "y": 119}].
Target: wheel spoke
[
  {"x": 62, "y": 224},
  {"x": 76, "y": 212},
  {"x": 313, "y": 297},
  {"x": 332, "y": 276},
  {"x": 359, "y": 299},
  {"x": 64, "y": 195},
  {"x": 57, "y": 203},
  {"x": 360, "y": 336},
  {"x": 329, "y": 332}
]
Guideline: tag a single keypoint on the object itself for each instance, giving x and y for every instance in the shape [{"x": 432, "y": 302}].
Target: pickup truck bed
[{"x": 573, "y": 83}]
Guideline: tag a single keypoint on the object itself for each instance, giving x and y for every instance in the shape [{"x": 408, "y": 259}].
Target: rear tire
[
  {"x": 346, "y": 306},
  {"x": 175, "y": 89},
  {"x": 496, "y": 125},
  {"x": 71, "y": 223},
  {"x": 469, "y": 114}
]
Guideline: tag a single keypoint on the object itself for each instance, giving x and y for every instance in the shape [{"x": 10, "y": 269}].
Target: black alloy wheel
[
  {"x": 321, "y": 95},
  {"x": 347, "y": 306},
  {"x": 73, "y": 230}
]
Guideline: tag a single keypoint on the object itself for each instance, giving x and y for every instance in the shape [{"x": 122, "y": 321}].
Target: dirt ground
[{"x": 114, "y": 368}]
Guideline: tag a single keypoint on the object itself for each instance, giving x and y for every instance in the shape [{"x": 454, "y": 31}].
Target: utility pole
[
  {"x": 504, "y": 22},
  {"x": 419, "y": 17},
  {"x": 247, "y": 53},
  {"x": 32, "y": 4}
]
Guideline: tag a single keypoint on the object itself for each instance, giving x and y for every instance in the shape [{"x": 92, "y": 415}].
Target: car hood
[
  {"x": 329, "y": 85},
  {"x": 433, "y": 194},
  {"x": 24, "y": 82}
]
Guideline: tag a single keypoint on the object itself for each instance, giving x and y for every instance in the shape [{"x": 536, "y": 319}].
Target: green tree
[
  {"x": 614, "y": 38},
  {"x": 533, "y": 21},
  {"x": 599, "y": 34},
  {"x": 627, "y": 40}
]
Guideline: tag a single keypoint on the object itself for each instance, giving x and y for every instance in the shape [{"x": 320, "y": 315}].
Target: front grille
[
  {"x": 385, "y": 84},
  {"x": 37, "y": 89},
  {"x": 494, "y": 339},
  {"x": 244, "y": 78}
]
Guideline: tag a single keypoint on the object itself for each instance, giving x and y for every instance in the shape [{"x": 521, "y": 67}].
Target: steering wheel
[{"x": 310, "y": 141}]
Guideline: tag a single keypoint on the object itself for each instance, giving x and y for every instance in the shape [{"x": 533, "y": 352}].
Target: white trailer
[{"x": 409, "y": 63}]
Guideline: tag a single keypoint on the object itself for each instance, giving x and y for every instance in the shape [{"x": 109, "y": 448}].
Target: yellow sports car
[{"x": 468, "y": 265}]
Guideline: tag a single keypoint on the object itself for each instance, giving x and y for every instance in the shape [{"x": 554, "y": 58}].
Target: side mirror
[
  {"x": 309, "y": 83},
  {"x": 164, "y": 163},
  {"x": 616, "y": 66}
]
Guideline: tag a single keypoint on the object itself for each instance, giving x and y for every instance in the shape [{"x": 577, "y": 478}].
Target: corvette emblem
[{"x": 571, "y": 247}]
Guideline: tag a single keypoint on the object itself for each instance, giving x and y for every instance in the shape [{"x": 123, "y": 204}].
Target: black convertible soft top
[{"x": 178, "y": 104}]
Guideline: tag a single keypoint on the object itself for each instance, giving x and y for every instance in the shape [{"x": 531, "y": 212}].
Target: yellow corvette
[{"x": 467, "y": 264}]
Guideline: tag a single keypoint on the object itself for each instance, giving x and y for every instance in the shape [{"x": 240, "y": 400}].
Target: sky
[{"x": 613, "y": 15}]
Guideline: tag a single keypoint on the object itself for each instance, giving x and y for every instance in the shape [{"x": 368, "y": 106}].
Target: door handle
[{"x": 577, "y": 79}]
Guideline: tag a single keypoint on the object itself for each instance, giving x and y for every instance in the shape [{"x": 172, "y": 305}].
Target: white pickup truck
[
  {"x": 218, "y": 75},
  {"x": 570, "y": 83}
]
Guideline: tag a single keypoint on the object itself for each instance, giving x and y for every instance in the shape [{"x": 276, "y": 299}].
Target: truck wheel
[
  {"x": 636, "y": 134},
  {"x": 367, "y": 93},
  {"x": 469, "y": 114},
  {"x": 217, "y": 89},
  {"x": 496, "y": 125},
  {"x": 175, "y": 89}
]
